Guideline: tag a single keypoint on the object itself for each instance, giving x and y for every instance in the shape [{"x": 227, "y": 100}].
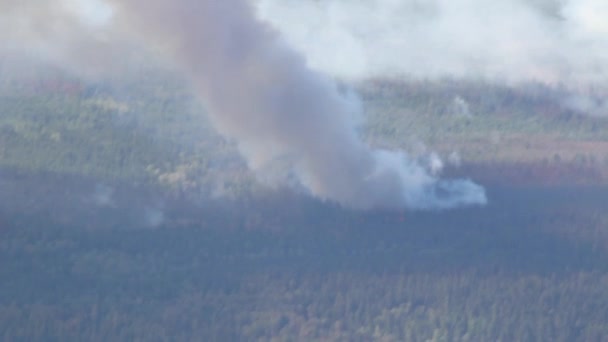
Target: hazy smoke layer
[
  {"x": 70, "y": 33},
  {"x": 551, "y": 41},
  {"x": 263, "y": 94}
]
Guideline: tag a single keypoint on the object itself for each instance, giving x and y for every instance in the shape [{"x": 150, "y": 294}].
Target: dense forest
[{"x": 124, "y": 216}]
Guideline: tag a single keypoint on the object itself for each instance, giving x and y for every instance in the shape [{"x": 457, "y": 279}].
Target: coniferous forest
[{"x": 124, "y": 216}]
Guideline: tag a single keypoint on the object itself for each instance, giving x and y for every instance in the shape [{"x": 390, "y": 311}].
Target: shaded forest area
[
  {"x": 124, "y": 216},
  {"x": 531, "y": 265}
]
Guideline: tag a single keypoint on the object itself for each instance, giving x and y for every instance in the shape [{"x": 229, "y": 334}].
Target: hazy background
[
  {"x": 554, "y": 42},
  {"x": 232, "y": 171}
]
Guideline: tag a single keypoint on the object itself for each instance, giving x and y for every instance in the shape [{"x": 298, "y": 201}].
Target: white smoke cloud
[
  {"x": 587, "y": 104},
  {"x": 460, "y": 107},
  {"x": 103, "y": 195},
  {"x": 548, "y": 41},
  {"x": 91, "y": 12},
  {"x": 435, "y": 164},
  {"x": 262, "y": 93}
]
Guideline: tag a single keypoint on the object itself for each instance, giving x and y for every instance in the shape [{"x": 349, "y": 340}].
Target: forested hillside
[{"x": 125, "y": 216}]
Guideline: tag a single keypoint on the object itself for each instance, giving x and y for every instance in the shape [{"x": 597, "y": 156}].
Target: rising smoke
[{"x": 263, "y": 94}]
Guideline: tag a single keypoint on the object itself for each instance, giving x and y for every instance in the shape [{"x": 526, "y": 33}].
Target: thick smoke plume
[{"x": 263, "y": 94}]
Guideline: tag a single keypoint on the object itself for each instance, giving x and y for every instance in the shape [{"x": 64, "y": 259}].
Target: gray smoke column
[
  {"x": 262, "y": 93},
  {"x": 258, "y": 90}
]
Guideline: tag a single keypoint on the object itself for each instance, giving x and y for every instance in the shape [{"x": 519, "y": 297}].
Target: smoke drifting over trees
[
  {"x": 262, "y": 93},
  {"x": 550, "y": 41}
]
